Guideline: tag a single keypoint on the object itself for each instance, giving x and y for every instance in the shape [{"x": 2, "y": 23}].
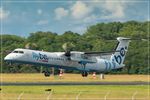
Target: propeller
[
  {"x": 31, "y": 46},
  {"x": 68, "y": 46}
]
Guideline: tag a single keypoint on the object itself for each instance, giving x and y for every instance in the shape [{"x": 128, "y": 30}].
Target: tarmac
[{"x": 72, "y": 83}]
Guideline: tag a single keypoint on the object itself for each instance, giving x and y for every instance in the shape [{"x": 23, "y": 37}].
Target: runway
[{"x": 73, "y": 83}]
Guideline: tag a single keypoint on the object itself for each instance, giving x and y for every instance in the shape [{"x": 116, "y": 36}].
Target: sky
[{"x": 25, "y": 17}]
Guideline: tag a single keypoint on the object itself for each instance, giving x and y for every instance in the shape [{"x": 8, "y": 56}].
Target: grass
[
  {"x": 70, "y": 78},
  {"x": 84, "y": 92},
  {"x": 71, "y": 92}
]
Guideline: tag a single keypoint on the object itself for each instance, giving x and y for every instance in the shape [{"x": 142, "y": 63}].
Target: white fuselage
[{"x": 59, "y": 60}]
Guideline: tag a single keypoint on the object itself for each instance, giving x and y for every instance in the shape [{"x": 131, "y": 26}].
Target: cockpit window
[
  {"x": 21, "y": 52},
  {"x": 15, "y": 52},
  {"x": 18, "y": 52}
]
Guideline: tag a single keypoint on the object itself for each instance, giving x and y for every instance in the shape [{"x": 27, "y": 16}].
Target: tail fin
[{"x": 122, "y": 47}]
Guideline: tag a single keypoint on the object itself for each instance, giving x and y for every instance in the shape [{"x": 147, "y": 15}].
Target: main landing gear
[{"x": 84, "y": 72}]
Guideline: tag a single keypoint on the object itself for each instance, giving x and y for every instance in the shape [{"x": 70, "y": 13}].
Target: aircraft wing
[
  {"x": 89, "y": 57},
  {"x": 100, "y": 53}
]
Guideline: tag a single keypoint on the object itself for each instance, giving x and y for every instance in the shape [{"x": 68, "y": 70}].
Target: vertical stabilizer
[{"x": 122, "y": 47}]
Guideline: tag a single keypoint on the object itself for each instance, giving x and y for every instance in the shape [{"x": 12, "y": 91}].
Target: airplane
[{"x": 74, "y": 60}]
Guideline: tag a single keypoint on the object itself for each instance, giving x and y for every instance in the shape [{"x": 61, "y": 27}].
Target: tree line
[{"x": 98, "y": 37}]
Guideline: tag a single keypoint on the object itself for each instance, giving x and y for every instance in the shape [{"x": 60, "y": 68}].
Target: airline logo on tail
[
  {"x": 122, "y": 47},
  {"x": 119, "y": 57}
]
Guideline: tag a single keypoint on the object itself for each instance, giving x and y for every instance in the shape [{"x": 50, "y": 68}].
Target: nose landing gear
[{"x": 46, "y": 73}]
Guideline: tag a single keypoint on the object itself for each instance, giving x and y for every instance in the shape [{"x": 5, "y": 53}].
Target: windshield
[{"x": 18, "y": 52}]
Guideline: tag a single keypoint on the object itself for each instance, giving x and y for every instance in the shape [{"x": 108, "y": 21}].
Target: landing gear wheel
[
  {"x": 84, "y": 74},
  {"x": 46, "y": 74}
]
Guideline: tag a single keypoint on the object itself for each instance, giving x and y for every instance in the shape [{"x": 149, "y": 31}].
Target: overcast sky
[{"x": 22, "y": 18}]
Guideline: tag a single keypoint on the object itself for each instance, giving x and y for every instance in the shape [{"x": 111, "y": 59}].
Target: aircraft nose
[{"x": 8, "y": 58}]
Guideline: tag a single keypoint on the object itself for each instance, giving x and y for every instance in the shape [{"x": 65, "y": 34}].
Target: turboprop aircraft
[{"x": 83, "y": 61}]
